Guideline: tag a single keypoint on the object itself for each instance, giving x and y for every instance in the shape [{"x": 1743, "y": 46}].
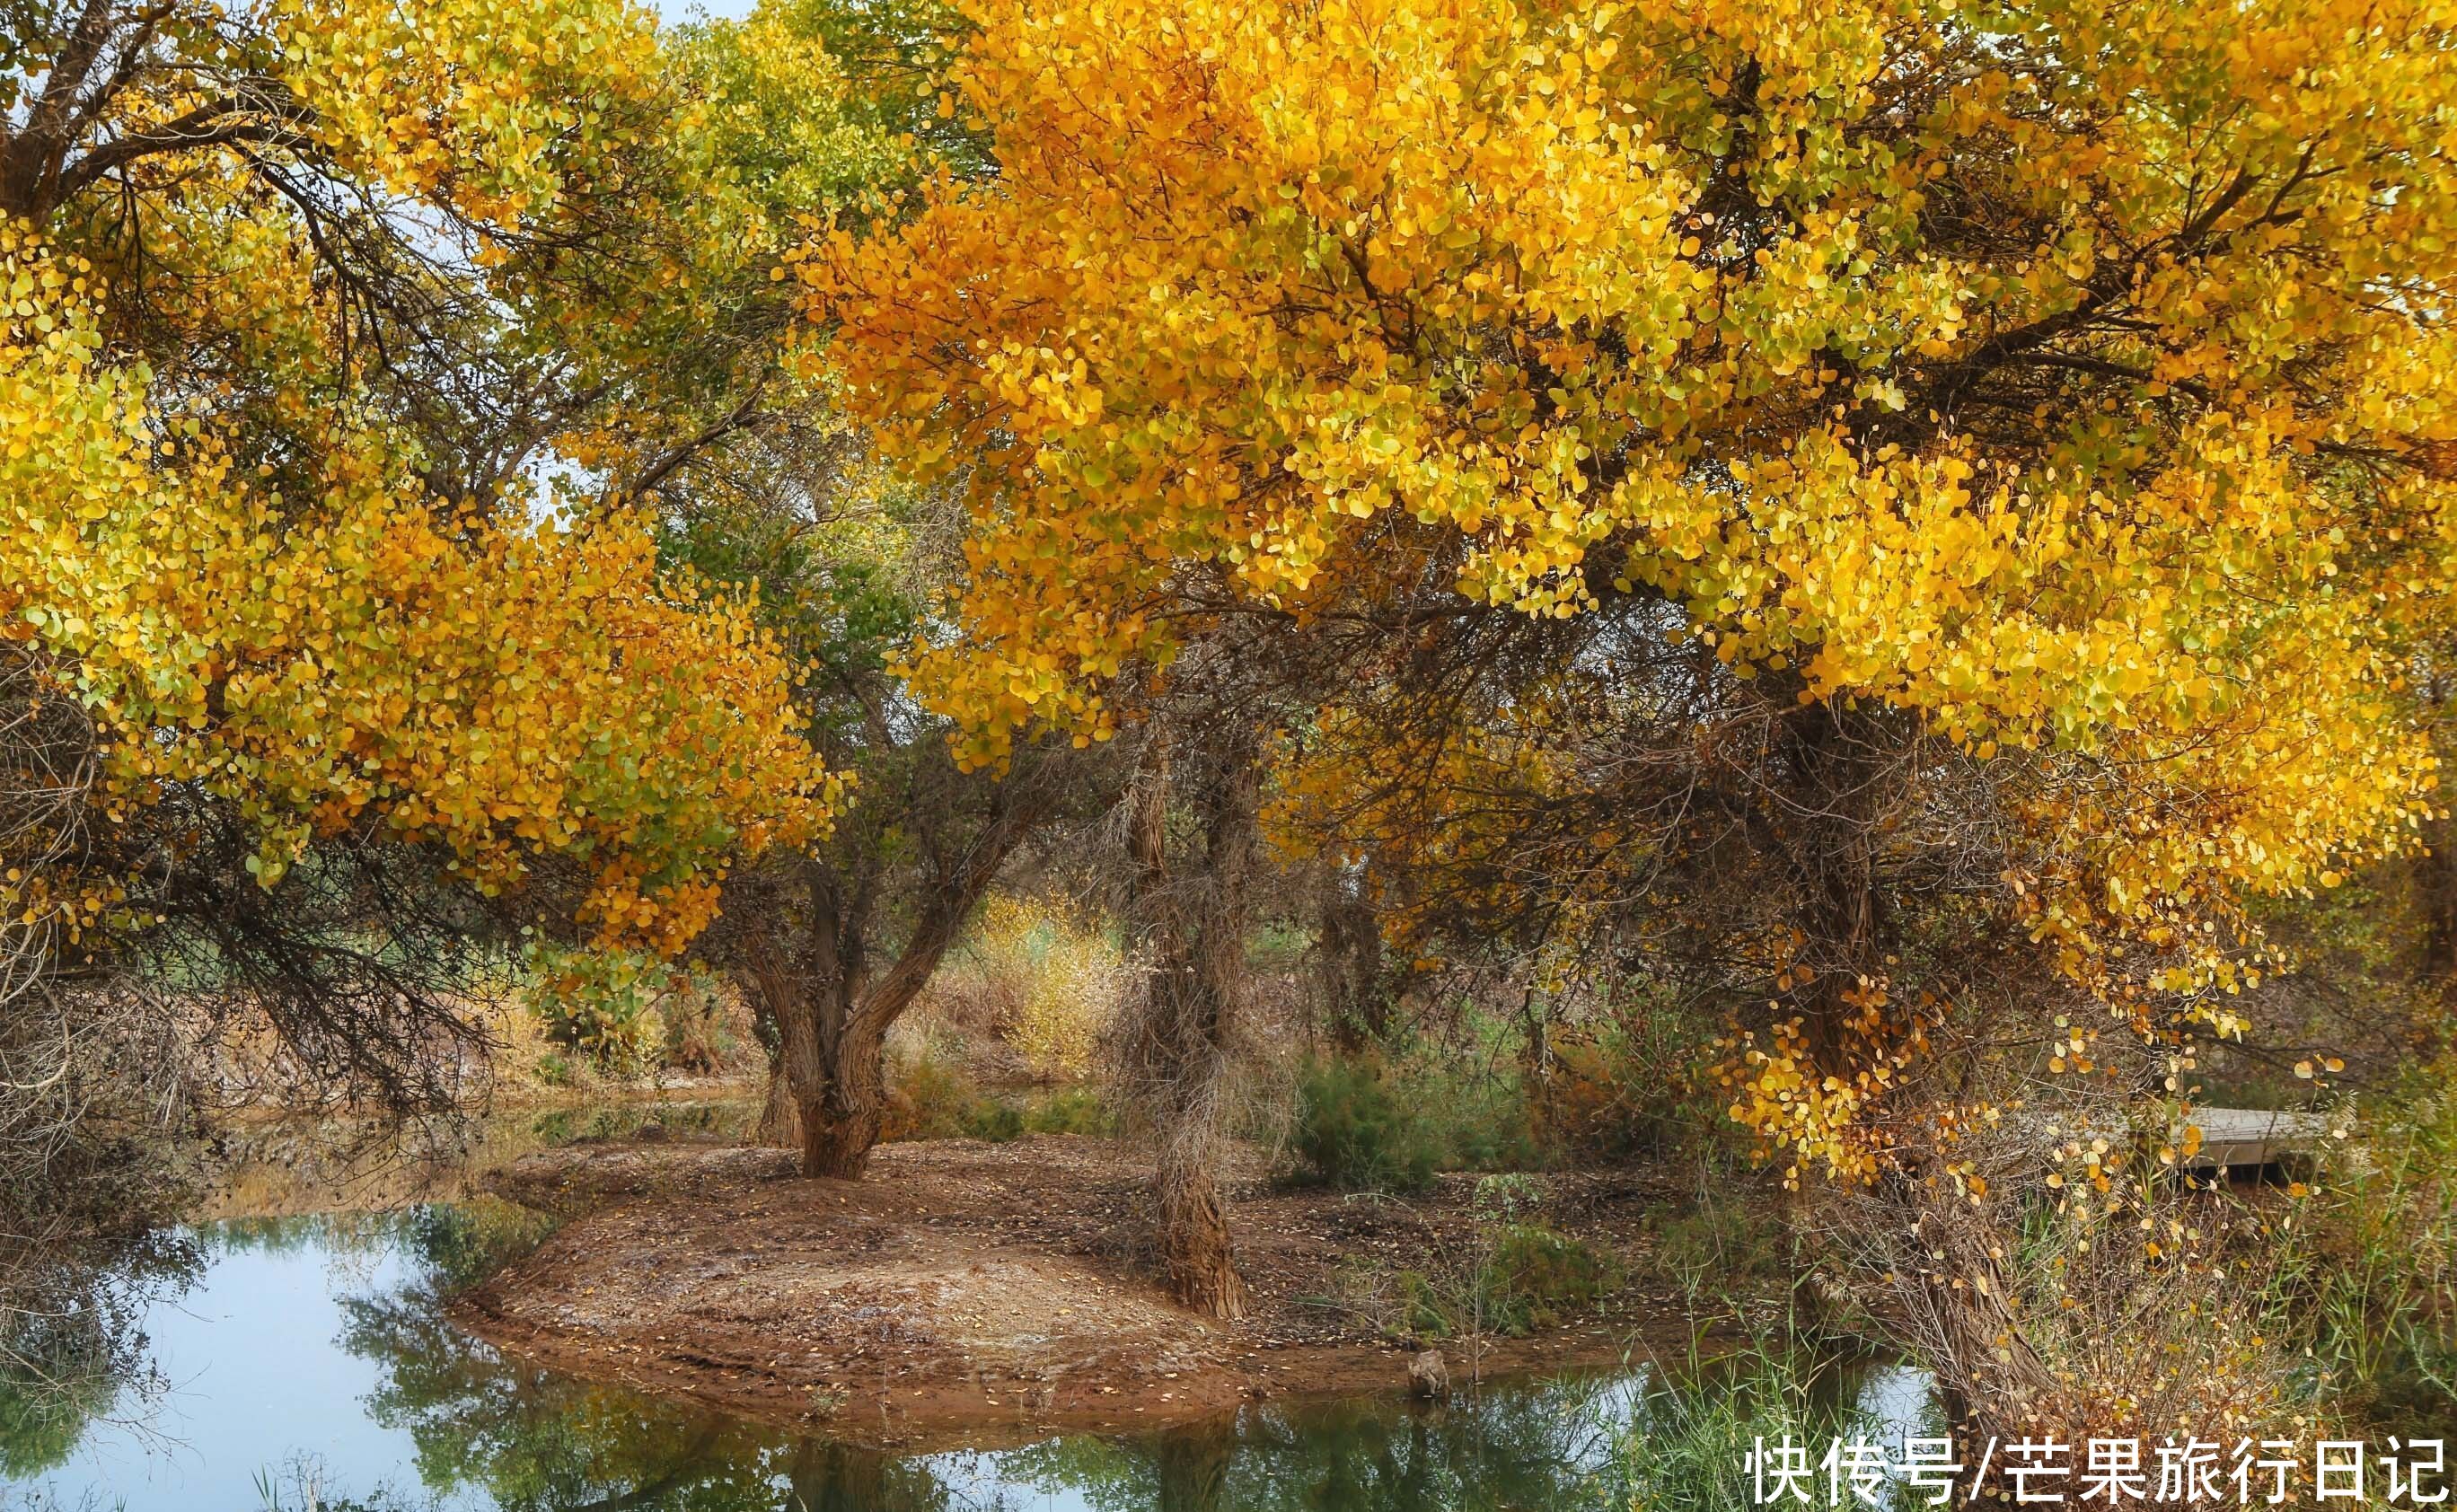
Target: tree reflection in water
[
  {"x": 534, "y": 1441},
  {"x": 465, "y": 1428},
  {"x": 1530, "y": 1444},
  {"x": 73, "y": 1346}
]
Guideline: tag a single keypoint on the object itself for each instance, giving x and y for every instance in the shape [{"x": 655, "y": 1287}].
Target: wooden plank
[{"x": 2245, "y": 1138}]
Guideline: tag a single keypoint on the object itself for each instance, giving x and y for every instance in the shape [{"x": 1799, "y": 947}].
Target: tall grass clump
[
  {"x": 2371, "y": 1258},
  {"x": 1687, "y": 1445},
  {"x": 1391, "y": 1122},
  {"x": 1355, "y": 1132},
  {"x": 1041, "y": 980}
]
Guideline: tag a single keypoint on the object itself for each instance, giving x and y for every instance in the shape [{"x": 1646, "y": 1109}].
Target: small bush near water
[
  {"x": 1512, "y": 1280},
  {"x": 1533, "y": 1277},
  {"x": 623, "y": 1012},
  {"x": 1352, "y": 1132},
  {"x": 1510, "y": 1276},
  {"x": 1364, "y": 1124}
]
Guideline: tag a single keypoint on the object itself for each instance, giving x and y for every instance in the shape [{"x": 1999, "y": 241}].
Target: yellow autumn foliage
[
  {"x": 2071, "y": 375},
  {"x": 368, "y": 657},
  {"x": 1055, "y": 982}
]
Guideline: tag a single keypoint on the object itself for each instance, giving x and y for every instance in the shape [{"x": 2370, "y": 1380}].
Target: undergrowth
[{"x": 932, "y": 1097}]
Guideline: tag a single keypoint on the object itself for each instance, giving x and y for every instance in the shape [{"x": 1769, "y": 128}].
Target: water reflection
[
  {"x": 73, "y": 1344},
  {"x": 309, "y": 1364},
  {"x": 527, "y": 1440}
]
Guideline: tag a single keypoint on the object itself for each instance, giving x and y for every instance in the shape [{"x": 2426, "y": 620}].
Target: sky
[{"x": 681, "y": 10}]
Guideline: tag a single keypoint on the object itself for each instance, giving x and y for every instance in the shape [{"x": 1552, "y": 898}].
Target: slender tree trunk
[
  {"x": 2434, "y": 880},
  {"x": 2439, "y": 889},
  {"x": 1351, "y": 966},
  {"x": 1192, "y": 933},
  {"x": 1835, "y": 767},
  {"x": 1836, "y": 780}
]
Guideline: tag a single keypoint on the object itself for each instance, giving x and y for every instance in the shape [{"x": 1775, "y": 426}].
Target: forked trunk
[
  {"x": 828, "y": 1092},
  {"x": 832, "y": 1046},
  {"x": 841, "y": 1123}
]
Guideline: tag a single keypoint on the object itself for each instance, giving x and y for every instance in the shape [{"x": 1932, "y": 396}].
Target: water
[{"x": 305, "y": 1361}]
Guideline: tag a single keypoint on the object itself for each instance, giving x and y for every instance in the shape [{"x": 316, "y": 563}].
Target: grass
[
  {"x": 1511, "y": 1275},
  {"x": 1695, "y": 1425},
  {"x": 2370, "y": 1261}
]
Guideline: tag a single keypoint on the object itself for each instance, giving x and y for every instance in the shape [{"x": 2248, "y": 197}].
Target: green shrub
[
  {"x": 1535, "y": 1275},
  {"x": 1514, "y": 1278},
  {"x": 1422, "y": 1311},
  {"x": 624, "y": 1012},
  {"x": 1354, "y": 1135},
  {"x": 1374, "y": 1125},
  {"x": 989, "y": 1118},
  {"x": 1481, "y": 1123},
  {"x": 1077, "y": 1110},
  {"x": 1720, "y": 1240},
  {"x": 930, "y": 1099}
]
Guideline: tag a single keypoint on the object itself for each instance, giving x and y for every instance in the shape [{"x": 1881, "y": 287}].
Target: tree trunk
[
  {"x": 1838, "y": 783},
  {"x": 1357, "y": 1009},
  {"x": 835, "y": 1062},
  {"x": 1192, "y": 933},
  {"x": 828, "y": 1088},
  {"x": 1830, "y": 794},
  {"x": 2436, "y": 894}
]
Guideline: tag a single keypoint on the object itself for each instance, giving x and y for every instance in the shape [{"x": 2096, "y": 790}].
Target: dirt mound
[{"x": 962, "y": 1292}]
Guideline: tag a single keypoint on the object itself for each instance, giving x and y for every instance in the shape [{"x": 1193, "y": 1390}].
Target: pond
[{"x": 305, "y": 1361}]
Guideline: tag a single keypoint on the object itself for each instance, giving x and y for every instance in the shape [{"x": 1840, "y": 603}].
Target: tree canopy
[{"x": 2067, "y": 379}]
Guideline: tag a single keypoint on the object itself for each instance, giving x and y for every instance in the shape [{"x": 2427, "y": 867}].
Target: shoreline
[{"x": 975, "y": 1294}]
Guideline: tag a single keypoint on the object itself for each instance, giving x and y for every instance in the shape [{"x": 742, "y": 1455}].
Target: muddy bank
[{"x": 986, "y": 1293}]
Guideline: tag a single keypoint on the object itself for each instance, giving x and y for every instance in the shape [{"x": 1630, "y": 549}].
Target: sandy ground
[{"x": 987, "y": 1293}]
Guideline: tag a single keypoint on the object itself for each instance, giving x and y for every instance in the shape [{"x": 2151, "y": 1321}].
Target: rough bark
[
  {"x": 2435, "y": 873},
  {"x": 831, "y": 1015},
  {"x": 1191, "y": 930},
  {"x": 2436, "y": 886},
  {"x": 1356, "y": 1007},
  {"x": 1836, "y": 767}
]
